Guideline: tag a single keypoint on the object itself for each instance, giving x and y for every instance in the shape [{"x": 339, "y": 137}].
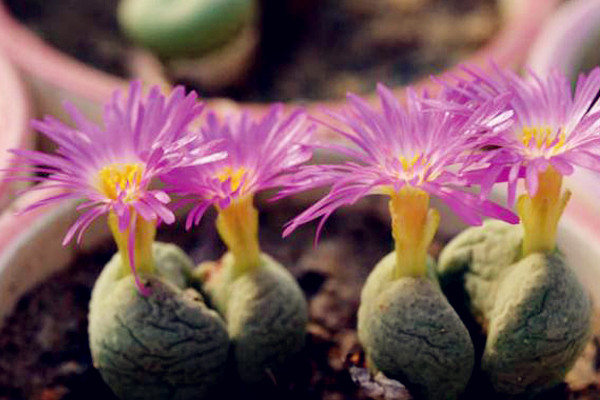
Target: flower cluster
[
  {"x": 552, "y": 126},
  {"x": 260, "y": 155},
  {"x": 554, "y": 130},
  {"x": 480, "y": 130},
  {"x": 420, "y": 145},
  {"x": 111, "y": 170}
]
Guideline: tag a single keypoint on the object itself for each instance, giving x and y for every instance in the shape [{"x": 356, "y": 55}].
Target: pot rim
[
  {"x": 508, "y": 48},
  {"x": 15, "y": 113},
  {"x": 564, "y": 36}
]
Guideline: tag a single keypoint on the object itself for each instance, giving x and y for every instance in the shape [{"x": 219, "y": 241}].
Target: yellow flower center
[
  {"x": 117, "y": 177},
  {"x": 236, "y": 176},
  {"x": 543, "y": 137},
  {"x": 409, "y": 167}
]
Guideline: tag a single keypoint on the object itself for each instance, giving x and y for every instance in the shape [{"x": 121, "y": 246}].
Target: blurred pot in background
[
  {"x": 15, "y": 111},
  {"x": 55, "y": 76}
]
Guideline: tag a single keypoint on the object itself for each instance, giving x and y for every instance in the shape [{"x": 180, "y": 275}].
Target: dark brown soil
[
  {"x": 43, "y": 347},
  {"x": 309, "y": 49}
]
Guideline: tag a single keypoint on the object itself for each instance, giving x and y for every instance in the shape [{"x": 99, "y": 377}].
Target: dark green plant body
[
  {"x": 168, "y": 345},
  {"x": 535, "y": 313},
  {"x": 411, "y": 333},
  {"x": 265, "y": 312}
]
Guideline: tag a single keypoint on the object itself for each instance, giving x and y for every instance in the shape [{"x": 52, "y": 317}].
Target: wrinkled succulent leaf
[
  {"x": 535, "y": 313},
  {"x": 265, "y": 311},
  {"x": 165, "y": 345},
  {"x": 411, "y": 334},
  {"x": 540, "y": 323}
]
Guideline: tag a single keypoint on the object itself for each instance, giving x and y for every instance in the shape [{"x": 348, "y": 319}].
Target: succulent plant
[
  {"x": 409, "y": 152},
  {"x": 167, "y": 344},
  {"x": 265, "y": 312},
  {"x": 262, "y": 304},
  {"x": 412, "y": 333},
  {"x": 534, "y": 311},
  {"x": 184, "y": 28}
]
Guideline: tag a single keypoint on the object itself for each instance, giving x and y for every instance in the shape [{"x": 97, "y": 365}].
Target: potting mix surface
[
  {"x": 44, "y": 354},
  {"x": 309, "y": 49}
]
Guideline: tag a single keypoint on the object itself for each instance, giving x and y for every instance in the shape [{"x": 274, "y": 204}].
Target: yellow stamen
[
  {"x": 117, "y": 177},
  {"x": 235, "y": 175},
  {"x": 543, "y": 137},
  {"x": 540, "y": 214},
  {"x": 407, "y": 165},
  {"x": 145, "y": 232},
  {"x": 238, "y": 227},
  {"x": 413, "y": 228}
]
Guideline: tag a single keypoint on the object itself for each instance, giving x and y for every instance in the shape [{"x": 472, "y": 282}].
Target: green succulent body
[
  {"x": 184, "y": 28},
  {"x": 265, "y": 312},
  {"x": 411, "y": 333},
  {"x": 535, "y": 313},
  {"x": 168, "y": 345}
]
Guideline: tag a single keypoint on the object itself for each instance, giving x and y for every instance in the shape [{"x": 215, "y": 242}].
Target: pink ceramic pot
[
  {"x": 566, "y": 35},
  {"x": 55, "y": 76},
  {"x": 571, "y": 32},
  {"x": 15, "y": 112}
]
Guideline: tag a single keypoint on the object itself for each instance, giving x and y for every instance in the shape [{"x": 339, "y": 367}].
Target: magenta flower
[
  {"x": 552, "y": 125},
  {"x": 110, "y": 169},
  {"x": 419, "y": 147},
  {"x": 260, "y": 154}
]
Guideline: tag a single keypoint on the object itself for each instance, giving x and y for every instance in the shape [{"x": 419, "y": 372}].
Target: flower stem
[
  {"x": 540, "y": 214},
  {"x": 144, "y": 234},
  {"x": 238, "y": 227},
  {"x": 413, "y": 226}
]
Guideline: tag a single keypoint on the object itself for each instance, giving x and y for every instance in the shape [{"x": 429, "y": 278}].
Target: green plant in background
[{"x": 184, "y": 28}]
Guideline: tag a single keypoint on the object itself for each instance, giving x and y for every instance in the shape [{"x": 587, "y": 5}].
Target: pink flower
[
  {"x": 418, "y": 145},
  {"x": 110, "y": 169},
  {"x": 552, "y": 125},
  {"x": 260, "y": 154}
]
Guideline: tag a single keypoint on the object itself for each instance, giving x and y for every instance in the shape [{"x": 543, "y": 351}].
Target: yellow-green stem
[
  {"x": 238, "y": 227},
  {"x": 540, "y": 214},
  {"x": 145, "y": 232},
  {"x": 413, "y": 226}
]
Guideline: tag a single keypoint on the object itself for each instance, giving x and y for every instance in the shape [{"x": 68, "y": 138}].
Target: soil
[
  {"x": 309, "y": 49},
  {"x": 45, "y": 355}
]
